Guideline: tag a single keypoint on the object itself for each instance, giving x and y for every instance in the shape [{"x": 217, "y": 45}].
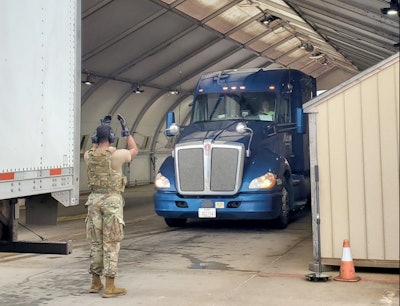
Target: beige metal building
[{"x": 354, "y": 142}]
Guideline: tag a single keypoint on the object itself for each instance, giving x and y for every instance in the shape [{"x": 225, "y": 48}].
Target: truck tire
[
  {"x": 283, "y": 219},
  {"x": 175, "y": 222}
]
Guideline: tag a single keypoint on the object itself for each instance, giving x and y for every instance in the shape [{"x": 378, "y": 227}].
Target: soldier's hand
[
  {"x": 124, "y": 129},
  {"x": 106, "y": 120}
]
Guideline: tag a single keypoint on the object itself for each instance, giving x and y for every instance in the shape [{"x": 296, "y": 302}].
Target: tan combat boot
[
  {"x": 111, "y": 290},
  {"x": 96, "y": 284}
]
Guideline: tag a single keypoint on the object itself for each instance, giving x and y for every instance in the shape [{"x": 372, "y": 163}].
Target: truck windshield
[{"x": 231, "y": 106}]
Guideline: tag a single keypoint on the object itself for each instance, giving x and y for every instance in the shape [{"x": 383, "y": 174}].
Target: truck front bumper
[{"x": 244, "y": 206}]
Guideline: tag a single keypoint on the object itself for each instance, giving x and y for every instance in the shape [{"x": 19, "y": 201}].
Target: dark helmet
[{"x": 105, "y": 133}]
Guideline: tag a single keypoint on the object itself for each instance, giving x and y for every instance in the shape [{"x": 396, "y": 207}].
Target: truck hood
[
  {"x": 225, "y": 130},
  {"x": 212, "y": 130}
]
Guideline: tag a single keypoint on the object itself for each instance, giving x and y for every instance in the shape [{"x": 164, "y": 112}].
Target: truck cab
[{"x": 244, "y": 154}]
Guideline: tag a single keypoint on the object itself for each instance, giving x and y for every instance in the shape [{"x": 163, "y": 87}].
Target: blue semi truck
[{"x": 244, "y": 154}]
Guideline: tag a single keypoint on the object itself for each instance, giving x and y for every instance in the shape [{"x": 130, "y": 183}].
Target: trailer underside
[{"x": 9, "y": 216}]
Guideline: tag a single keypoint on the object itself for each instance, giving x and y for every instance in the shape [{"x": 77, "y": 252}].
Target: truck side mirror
[
  {"x": 300, "y": 122},
  {"x": 172, "y": 128},
  {"x": 241, "y": 128}
]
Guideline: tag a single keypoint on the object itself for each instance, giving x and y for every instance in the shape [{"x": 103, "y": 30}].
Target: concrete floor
[{"x": 206, "y": 263}]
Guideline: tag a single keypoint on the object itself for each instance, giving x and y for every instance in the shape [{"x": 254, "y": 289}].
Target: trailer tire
[
  {"x": 175, "y": 222},
  {"x": 283, "y": 219}
]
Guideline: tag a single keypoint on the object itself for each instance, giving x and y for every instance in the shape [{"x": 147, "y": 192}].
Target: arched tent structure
[{"x": 144, "y": 57}]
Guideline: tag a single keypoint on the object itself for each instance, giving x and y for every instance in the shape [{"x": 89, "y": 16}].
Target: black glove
[
  {"x": 106, "y": 120},
  {"x": 124, "y": 129}
]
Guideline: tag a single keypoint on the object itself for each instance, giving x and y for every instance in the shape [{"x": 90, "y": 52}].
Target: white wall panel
[
  {"x": 357, "y": 152},
  {"x": 355, "y": 171}
]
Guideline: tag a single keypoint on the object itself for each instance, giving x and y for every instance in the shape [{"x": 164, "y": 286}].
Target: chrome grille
[
  {"x": 209, "y": 168},
  {"x": 191, "y": 171}
]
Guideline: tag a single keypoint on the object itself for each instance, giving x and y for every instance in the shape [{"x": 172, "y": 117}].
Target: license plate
[{"x": 207, "y": 213}]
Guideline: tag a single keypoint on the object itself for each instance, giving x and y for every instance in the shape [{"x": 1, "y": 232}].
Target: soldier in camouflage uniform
[{"x": 105, "y": 222}]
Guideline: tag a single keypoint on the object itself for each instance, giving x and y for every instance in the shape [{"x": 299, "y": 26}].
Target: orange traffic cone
[{"x": 347, "y": 272}]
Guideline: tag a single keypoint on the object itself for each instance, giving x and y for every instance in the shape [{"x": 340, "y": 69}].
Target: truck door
[{"x": 285, "y": 127}]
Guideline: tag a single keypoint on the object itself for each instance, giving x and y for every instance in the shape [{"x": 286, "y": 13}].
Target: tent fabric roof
[{"x": 145, "y": 56}]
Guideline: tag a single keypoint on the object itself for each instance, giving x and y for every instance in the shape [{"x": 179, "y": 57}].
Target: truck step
[
  {"x": 299, "y": 205},
  {"x": 296, "y": 182}
]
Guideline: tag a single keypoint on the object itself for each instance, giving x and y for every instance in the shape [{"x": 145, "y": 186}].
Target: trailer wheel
[
  {"x": 175, "y": 222},
  {"x": 283, "y": 219}
]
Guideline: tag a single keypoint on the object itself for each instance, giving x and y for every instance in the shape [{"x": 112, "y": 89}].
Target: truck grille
[{"x": 209, "y": 168}]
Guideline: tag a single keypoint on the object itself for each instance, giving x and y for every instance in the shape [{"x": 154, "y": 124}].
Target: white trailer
[{"x": 40, "y": 64}]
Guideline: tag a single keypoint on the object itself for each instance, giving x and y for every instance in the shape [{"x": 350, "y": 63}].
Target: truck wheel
[
  {"x": 283, "y": 220},
  {"x": 175, "y": 222}
]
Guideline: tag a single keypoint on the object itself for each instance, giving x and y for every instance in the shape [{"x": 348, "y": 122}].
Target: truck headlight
[
  {"x": 161, "y": 181},
  {"x": 265, "y": 181}
]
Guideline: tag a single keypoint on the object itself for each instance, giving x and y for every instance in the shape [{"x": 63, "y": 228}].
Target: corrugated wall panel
[
  {"x": 397, "y": 98},
  {"x": 338, "y": 172},
  {"x": 324, "y": 181},
  {"x": 372, "y": 166},
  {"x": 355, "y": 172},
  {"x": 389, "y": 162}
]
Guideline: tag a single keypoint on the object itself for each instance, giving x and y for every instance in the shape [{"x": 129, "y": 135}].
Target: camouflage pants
[{"x": 105, "y": 230}]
